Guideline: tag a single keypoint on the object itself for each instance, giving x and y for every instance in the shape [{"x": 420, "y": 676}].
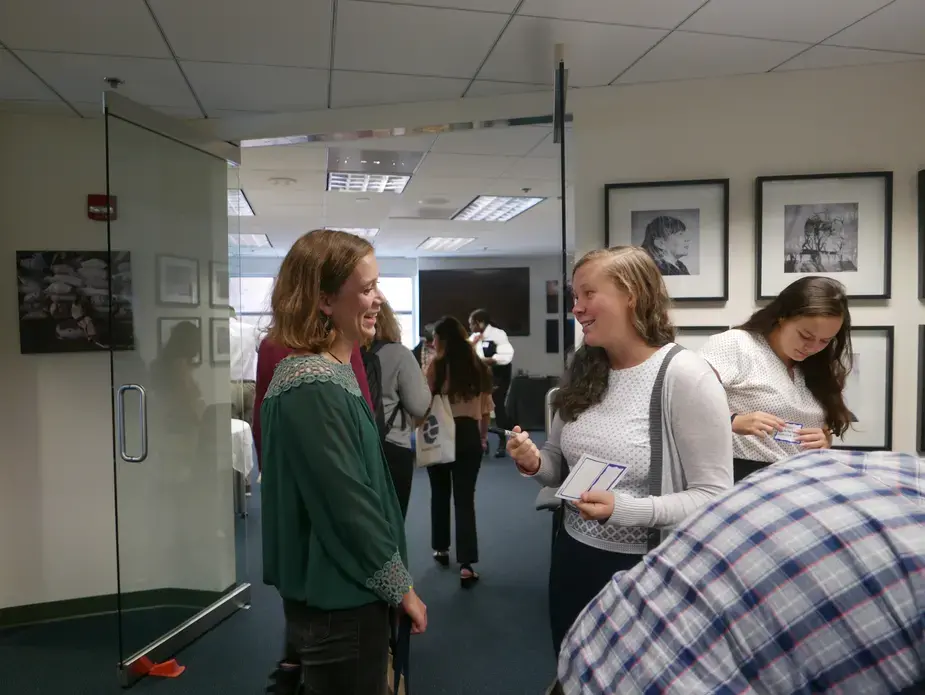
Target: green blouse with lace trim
[{"x": 333, "y": 535}]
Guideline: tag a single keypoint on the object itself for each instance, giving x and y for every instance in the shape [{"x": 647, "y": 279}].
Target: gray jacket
[{"x": 404, "y": 386}]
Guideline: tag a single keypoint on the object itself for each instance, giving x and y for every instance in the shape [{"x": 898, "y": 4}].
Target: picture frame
[
  {"x": 177, "y": 281},
  {"x": 552, "y": 298},
  {"x": 694, "y": 337},
  {"x": 835, "y": 225},
  {"x": 166, "y": 326},
  {"x": 219, "y": 285},
  {"x": 921, "y": 192},
  {"x": 684, "y": 225},
  {"x": 219, "y": 342},
  {"x": 920, "y": 416},
  {"x": 553, "y": 336},
  {"x": 869, "y": 390}
]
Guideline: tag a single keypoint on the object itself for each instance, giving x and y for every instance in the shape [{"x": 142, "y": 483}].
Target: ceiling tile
[
  {"x": 80, "y": 77},
  {"x": 787, "y": 20},
  {"x": 665, "y": 14},
  {"x": 306, "y": 181},
  {"x": 110, "y": 27},
  {"x": 399, "y": 143},
  {"x": 490, "y": 88},
  {"x": 253, "y": 87},
  {"x": 525, "y": 52},
  {"x": 413, "y": 40},
  {"x": 293, "y": 33},
  {"x": 38, "y": 108},
  {"x": 16, "y": 82},
  {"x": 688, "y": 56},
  {"x": 897, "y": 27},
  {"x": 183, "y": 113},
  {"x": 285, "y": 157},
  {"x": 535, "y": 168},
  {"x": 441, "y": 164},
  {"x": 513, "y": 141},
  {"x": 836, "y": 57},
  {"x": 549, "y": 149},
  {"x": 505, "y": 6},
  {"x": 282, "y": 201},
  {"x": 367, "y": 88}
]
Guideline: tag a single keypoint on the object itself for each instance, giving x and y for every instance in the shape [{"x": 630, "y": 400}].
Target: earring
[{"x": 327, "y": 324}]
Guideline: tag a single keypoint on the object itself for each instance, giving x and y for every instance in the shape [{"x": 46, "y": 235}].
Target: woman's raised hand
[{"x": 523, "y": 451}]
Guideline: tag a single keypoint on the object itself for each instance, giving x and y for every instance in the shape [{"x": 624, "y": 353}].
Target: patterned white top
[
  {"x": 616, "y": 429},
  {"x": 756, "y": 379}
]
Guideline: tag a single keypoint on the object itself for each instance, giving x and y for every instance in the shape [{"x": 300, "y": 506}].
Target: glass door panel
[{"x": 178, "y": 544}]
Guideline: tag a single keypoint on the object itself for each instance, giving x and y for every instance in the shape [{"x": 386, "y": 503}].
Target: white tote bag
[{"x": 435, "y": 439}]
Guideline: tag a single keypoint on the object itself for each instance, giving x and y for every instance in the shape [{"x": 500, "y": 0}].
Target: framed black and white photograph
[
  {"x": 219, "y": 341},
  {"x": 177, "y": 281},
  {"x": 180, "y": 335},
  {"x": 67, "y": 304},
  {"x": 920, "y": 418},
  {"x": 695, "y": 337},
  {"x": 869, "y": 390},
  {"x": 683, "y": 225},
  {"x": 219, "y": 285},
  {"x": 835, "y": 225},
  {"x": 921, "y": 192},
  {"x": 552, "y": 297}
]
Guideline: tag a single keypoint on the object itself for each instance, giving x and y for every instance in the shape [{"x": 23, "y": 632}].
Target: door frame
[{"x": 137, "y": 666}]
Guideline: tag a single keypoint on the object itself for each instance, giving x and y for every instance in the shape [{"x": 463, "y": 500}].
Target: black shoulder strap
[{"x": 655, "y": 439}]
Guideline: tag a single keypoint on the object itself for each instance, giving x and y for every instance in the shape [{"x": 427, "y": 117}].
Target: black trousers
[
  {"x": 401, "y": 466},
  {"x": 457, "y": 479},
  {"x": 744, "y": 467},
  {"x": 577, "y": 573},
  {"x": 342, "y": 652},
  {"x": 498, "y": 397}
]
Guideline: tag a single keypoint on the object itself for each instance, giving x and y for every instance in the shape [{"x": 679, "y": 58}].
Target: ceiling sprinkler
[{"x": 114, "y": 82}]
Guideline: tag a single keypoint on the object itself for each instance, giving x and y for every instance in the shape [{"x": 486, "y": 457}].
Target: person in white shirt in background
[
  {"x": 494, "y": 348},
  {"x": 243, "y": 368}
]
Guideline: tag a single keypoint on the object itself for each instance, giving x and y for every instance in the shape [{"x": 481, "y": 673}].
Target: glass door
[{"x": 178, "y": 531}]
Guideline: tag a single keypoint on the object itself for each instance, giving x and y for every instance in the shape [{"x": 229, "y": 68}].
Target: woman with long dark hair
[
  {"x": 457, "y": 372},
  {"x": 784, "y": 372}
]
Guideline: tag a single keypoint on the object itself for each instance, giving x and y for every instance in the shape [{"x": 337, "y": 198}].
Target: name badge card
[
  {"x": 590, "y": 474},
  {"x": 790, "y": 433}
]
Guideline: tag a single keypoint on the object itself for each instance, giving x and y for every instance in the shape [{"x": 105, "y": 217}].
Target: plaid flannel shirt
[{"x": 806, "y": 577}]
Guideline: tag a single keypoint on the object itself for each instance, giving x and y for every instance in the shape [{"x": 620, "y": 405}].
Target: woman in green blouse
[{"x": 333, "y": 535}]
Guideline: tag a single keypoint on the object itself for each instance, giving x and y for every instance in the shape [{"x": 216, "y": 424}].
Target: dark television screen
[{"x": 504, "y": 292}]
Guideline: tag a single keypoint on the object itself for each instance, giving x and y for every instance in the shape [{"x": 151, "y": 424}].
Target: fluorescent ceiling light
[
  {"x": 444, "y": 243},
  {"x": 249, "y": 240},
  {"x": 238, "y": 205},
  {"x": 367, "y": 183},
  {"x": 273, "y": 142},
  {"x": 496, "y": 208},
  {"x": 366, "y": 233}
]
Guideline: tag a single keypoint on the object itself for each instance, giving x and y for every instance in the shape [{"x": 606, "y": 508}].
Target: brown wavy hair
[
  {"x": 318, "y": 264},
  {"x": 634, "y": 272},
  {"x": 825, "y": 372},
  {"x": 388, "y": 329},
  {"x": 463, "y": 375}
]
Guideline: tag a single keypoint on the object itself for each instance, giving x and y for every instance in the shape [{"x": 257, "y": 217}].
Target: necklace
[{"x": 339, "y": 360}]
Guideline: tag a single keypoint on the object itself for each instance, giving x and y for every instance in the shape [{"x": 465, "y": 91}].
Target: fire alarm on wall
[{"x": 101, "y": 207}]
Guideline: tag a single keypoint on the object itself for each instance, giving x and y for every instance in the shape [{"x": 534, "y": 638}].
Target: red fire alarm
[{"x": 102, "y": 207}]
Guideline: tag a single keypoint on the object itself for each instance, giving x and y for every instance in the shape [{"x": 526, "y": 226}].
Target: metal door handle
[{"x": 143, "y": 421}]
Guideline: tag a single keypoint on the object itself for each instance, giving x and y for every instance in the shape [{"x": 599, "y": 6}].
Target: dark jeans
[
  {"x": 343, "y": 652},
  {"x": 498, "y": 397},
  {"x": 577, "y": 573},
  {"x": 457, "y": 478},
  {"x": 744, "y": 467},
  {"x": 401, "y": 466}
]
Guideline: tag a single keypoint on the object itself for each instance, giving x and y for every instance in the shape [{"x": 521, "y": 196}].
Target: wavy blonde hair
[
  {"x": 318, "y": 264},
  {"x": 387, "y": 327},
  {"x": 634, "y": 272}
]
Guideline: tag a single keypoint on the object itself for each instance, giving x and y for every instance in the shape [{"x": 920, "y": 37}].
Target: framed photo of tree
[{"x": 869, "y": 390}]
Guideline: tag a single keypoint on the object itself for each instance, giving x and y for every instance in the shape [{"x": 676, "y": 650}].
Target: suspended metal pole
[{"x": 558, "y": 126}]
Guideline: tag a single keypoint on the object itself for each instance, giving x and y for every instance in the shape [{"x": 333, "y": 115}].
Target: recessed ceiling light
[
  {"x": 444, "y": 243},
  {"x": 238, "y": 205},
  {"x": 367, "y": 183},
  {"x": 249, "y": 240},
  {"x": 365, "y": 232},
  {"x": 496, "y": 208},
  {"x": 282, "y": 180}
]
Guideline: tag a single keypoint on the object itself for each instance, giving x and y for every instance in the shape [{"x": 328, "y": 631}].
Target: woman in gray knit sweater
[{"x": 604, "y": 410}]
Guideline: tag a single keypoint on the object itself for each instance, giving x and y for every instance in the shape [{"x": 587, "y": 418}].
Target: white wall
[
  {"x": 856, "y": 119},
  {"x": 57, "y": 532}
]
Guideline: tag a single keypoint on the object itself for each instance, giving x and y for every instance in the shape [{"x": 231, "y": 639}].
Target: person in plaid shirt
[{"x": 806, "y": 577}]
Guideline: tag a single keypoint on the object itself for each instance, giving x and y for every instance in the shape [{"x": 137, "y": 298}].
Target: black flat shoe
[
  {"x": 467, "y": 581},
  {"x": 285, "y": 680},
  {"x": 442, "y": 557},
  {"x": 500, "y": 454}
]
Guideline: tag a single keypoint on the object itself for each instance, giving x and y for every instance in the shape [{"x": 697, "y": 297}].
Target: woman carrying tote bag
[{"x": 457, "y": 373}]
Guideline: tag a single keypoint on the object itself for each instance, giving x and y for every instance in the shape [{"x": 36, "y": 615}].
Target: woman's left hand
[
  {"x": 813, "y": 438},
  {"x": 595, "y": 505}
]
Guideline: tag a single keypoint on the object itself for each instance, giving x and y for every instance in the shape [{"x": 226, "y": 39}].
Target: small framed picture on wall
[
  {"x": 684, "y": 227},
  {"x": 694, "y": 337},
  {"x": 180, "y": 335},
  {"x": 836, "y": 225},
  {"x": 219, "y": 285},
  {"x": 177, "y": 281},
  {"x": 869, "y": 390},
  {"x": 921, "y": 192},
  {"x": 920, "y": 417},
  {"x": 219, "y": 341}
]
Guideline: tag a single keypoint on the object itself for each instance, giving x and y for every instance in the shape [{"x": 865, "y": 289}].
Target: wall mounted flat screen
[{"x": 504, "y": 292}]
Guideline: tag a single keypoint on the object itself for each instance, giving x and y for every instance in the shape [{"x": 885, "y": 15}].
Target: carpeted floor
[{"x": 492, "y": 640}]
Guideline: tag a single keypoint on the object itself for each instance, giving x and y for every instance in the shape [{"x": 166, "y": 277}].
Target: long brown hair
[
  {"x": 634, "y": 272},
  {"x": 388, "y": 329},
  {"x": 458, "y": 369},
  {"x": 318, "y": 264},
  {"x": 826, "y": 371}
]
